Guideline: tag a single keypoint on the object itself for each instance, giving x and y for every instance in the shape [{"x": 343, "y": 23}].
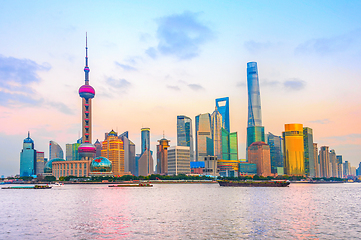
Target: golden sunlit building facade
[
  {"x": 293, "y": 149},
  {"x": 112, "y": 149}
]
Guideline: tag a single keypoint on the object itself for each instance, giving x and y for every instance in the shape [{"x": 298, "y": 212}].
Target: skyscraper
[
  {"x": 178, "y": 160},
  {"x": 308, "y": 148},
  {"x": 294, "y": 163},
  {"x": 259, "y": 153},
  {"x": 145, "y": 139},
  {"x": 145, "y": 164},
  {"x": 333, "y": 164},
  {"x": 315, "y": 160},
  {"x": 204, "y": 142},
  {"x": 324, "y": 162},
  {"x": 86, "y": 92},
  {"x": 222, "y": 105},
  {"x": 112, "y": 149},
  {"x": 162, "y": 156},
  {"x": 340, "y": 166},
  {"x": 55, "y": 151},
  {"x": 129, "y": 154},
  {"x": 255, "y": 130},
  {"x": 185, "y": 133},
  {"x": 216, "y": 130},
  {"x": 40, "y": 163},
  {"x": 275, "y": 144},
  {"x": 27, "y": 158}
]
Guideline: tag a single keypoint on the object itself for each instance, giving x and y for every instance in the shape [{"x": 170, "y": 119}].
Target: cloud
[
  {"x": 294, "y": 84},
  {"x": 61, "y": 107},
  {"x": 321, "y": 121},
  {"x": 255, "y": 47},
  {"x": 119, "y": 83},
  {"x": 241, "y": 84},
  {"x": 196, "y": 87},
  {"x": 176, "y": 88},
  {"x": 180, "y": 36},
  {"x": 125, "y": 67},
  {"x": 331, "y": 45},
  {"x": 151, "y": 52},
  {"x": 270, "y": 83}
]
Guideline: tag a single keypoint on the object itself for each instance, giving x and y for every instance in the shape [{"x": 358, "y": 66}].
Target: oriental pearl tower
[{"x": 86, "y": 92}]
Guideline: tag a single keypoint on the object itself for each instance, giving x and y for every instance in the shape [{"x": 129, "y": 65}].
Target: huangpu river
[{"x": 182, "y": 211}]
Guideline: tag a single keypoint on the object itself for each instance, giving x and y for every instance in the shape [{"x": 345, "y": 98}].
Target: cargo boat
[
  {"x": 132, "y": 185},
  {"x": 270, "y": 183},
  {"x": 28, "y": 187}
]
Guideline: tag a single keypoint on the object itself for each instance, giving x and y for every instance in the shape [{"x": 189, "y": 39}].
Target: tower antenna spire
[{"x": 86, "y": 69}]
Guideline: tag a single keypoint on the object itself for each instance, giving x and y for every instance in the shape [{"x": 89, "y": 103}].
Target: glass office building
[
  {"x": 216, "y": 128},
  {"x": 203, "y": 136},
  {"x": 275, "y": 143},
  {"x": 233, "y": 146},
  {"x": 27, "y": 158},
  {"x": 185, "y": 133},
  {"x": 308, "y": 148},
  {"x": 145, "y": 139},
  {"x": 55, "y": 151},
  {"x": 255, "y": 134},
  {"x": 222, "y": 105},
  {"x": 254, "y": 96},
  {"x": 294, "y": 163}
]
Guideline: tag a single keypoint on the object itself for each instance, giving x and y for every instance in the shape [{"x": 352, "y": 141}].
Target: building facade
[
  {"x": 293, "y": 159},
  {"x": 222, "y": 104},
  {"x": 324, "y": 157},
  {"x": 315, "y": 160},
  {"x": 145, "y": 139},
  {"x": 28, "y": 158},
  {"x": 333, "y": 164},
  {"x": 275, "y": 144},
  {"x": 216, "y": 130},
  {"x": 162, "y": 156},
  {"x": 308, "y": 150},
  {"x": 185, "y": 133},
  {"x": 204, "y": 142},
  {"x": 55, "y": 151},
  {"x": 40, "y": 163},
  {"x": 259, "y": 154},
  {"x": 178, "y": 160},
  {"x": 112, "y": 149},
  {"x": 145, "y": 164}
]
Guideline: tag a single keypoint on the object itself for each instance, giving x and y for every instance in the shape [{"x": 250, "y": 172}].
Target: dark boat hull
[{"x": 253, "y": 183}]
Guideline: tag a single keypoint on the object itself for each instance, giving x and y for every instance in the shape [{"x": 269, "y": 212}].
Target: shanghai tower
[{"x": 255, "y": 130}]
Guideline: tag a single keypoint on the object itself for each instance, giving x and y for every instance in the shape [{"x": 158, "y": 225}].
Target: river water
[{"x": 182, "y": 211}]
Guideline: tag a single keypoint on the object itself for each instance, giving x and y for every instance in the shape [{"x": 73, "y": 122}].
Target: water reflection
[{"x": 183, "y": 211}]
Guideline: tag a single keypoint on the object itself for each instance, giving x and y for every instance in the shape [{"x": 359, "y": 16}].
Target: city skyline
[{"x": 307, "y": 61}]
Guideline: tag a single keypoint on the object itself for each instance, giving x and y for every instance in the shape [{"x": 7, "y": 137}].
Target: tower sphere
[
  {"x": 87, "y": 150},
  {"x": 101, "y": 164},
  {"x": 86, "y": 91}
]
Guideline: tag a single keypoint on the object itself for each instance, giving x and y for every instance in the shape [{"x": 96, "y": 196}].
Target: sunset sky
[{"x": 153, "y": 60}]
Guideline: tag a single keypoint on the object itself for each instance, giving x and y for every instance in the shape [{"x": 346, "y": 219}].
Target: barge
[
  {"x": 28, "y": 187},
  {"x": 270, "y": 183},
  {"x": 132, "y": 185}
]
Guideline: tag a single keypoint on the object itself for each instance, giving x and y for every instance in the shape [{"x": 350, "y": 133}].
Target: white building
[{"x": 178, "y": 160}]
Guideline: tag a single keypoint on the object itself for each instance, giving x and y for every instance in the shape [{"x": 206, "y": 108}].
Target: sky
[{"x": 153, "y": 60}]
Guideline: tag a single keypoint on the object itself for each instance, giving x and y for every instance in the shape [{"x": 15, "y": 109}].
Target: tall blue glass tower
[
  {"x": 255, "y": 130},
  {"x": 28, "y": 158},
  {"x": 185, "y": 133},
  {"x": 222, "y": 105},
  {"x": 145, "y": 139},
  {"x": 254, "y": 96}
]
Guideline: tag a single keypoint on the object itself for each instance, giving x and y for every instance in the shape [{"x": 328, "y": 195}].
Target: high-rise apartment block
[
  {"x": 294, "y": 163},
  {"x": 315, "y": 157},
  {"x": 324, "y": 157},
  {"x": 333, "y": 164},
  {"x": 185, "y": 133}
]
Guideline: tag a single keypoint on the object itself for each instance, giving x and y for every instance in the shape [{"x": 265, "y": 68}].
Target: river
[{"x": 182, "y": 211}]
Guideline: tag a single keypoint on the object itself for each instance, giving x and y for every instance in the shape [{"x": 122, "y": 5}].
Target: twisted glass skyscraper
[{"x": 255, "y": 130}]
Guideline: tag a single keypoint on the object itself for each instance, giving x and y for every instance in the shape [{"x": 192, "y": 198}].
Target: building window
[{"x": 71, "y": 172}]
